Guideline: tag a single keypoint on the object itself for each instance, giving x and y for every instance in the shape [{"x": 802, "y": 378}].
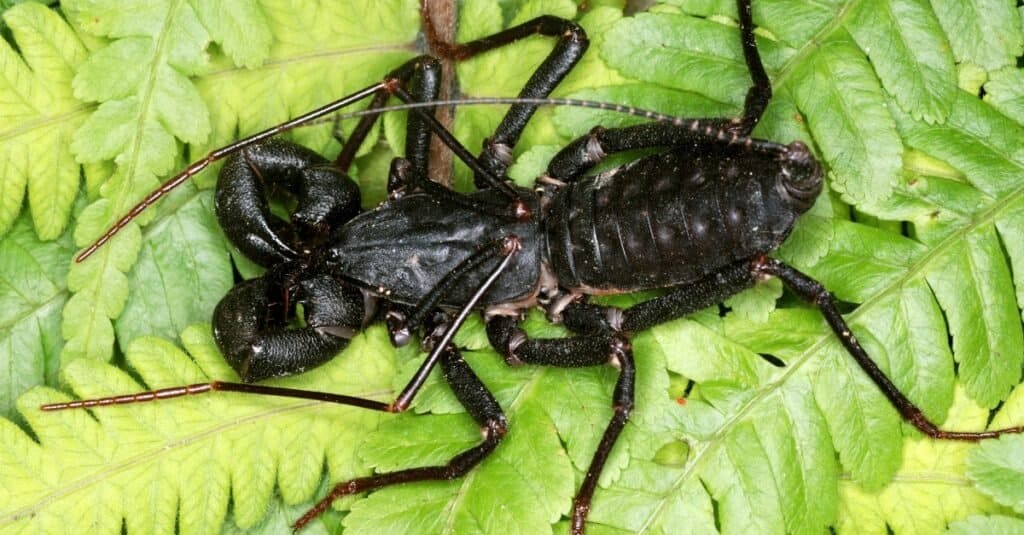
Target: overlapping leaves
[
  {"x": 932, "y": 250},
  {"x": 40, "y": 116}
]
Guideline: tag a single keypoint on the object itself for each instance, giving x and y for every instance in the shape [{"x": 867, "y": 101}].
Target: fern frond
[
  {"x": 40, "y": 115},
  {"x": 919, "y": 237}
]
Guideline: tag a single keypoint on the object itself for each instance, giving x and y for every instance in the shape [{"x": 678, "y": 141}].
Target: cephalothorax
[{"x": 697, "y": 219}]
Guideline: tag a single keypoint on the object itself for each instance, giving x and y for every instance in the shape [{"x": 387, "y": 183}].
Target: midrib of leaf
[
  {"x": 973, "y": 286},
  {"x": 920, "y": 170},
  {"x": 17, "y": 290},
  {"x": 32, "y": 311},
  {"x": 339, "y": 52},
  {"x": 812, "y": 44},
  {"x": 123, "y": 198},
  {"x": 44, "y": 121},
  {"x": 798, "y": 445},
  {"x": 149, "y": 456},
  {"x": 190, "y": 250},
  {"x": 55, "y": 299},
  {"x": 920, "y": 477}
]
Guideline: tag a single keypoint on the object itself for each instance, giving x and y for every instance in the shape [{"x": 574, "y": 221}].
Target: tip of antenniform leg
[{"x": 310, "y": 515}]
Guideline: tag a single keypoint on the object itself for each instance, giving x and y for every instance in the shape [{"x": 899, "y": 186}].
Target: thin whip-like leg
[
  {"x": 603, "y": 340},
  {"x": 699, "y": 136},
  {"x": 707, "y": 291},
  {"x": 223, "y": 152},
  {"x": 816, "y": 294}
]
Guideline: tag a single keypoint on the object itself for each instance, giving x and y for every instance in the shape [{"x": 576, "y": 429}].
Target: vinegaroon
[{"x": 698, "y": 220}]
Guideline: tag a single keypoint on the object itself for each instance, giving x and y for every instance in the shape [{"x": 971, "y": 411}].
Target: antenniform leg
[
  {"x": 421, "y": 77},
  {"x": 698, "y": 136}
]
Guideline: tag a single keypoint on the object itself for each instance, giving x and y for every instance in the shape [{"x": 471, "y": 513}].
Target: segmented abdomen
[{"x": 665, "y": 220}]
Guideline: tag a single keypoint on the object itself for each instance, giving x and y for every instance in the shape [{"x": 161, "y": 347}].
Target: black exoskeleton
[{"x": 697, "y": 220}]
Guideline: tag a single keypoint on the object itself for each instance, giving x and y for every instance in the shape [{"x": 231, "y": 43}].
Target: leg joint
[
  {"x": 506, "y": 337},
  {"x": 621, "y": 349},
  {"x": 495, "y": 429},
  {"x": 808, "y": 288}
]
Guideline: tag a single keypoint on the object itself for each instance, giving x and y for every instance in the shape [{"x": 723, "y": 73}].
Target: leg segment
[
  {"x": 815, "y": 293},
  {"x": 761, "y": 92},
  {"x": 718, "y": 286},
  {"x": 697, "y": 136},
  {"x": 488, "y": 179},
  {"x": 422, "y": 76},
  {"x": 586, "y": 350},
  {"x": 602, "y": 341},
  {"x": 572, "y": 43},
  {"x": 703, "y": 134},
  {"x": 480, "y": 404}
]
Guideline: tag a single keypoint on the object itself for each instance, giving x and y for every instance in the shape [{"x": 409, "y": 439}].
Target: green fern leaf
[
  {"x": 998, "y": 471},
  {"x": 141, "y": 115},
  {"x": 990, "y": 525},
  {"x": 996, "y": 466},
  {"x": 984, "y": 32},
  {"x": 33, "y": 291},
  {"x": 928, "y": 491},
  {"x": 920, "y": 239},
  {"x": 39, "y": 117},
  {"x": 1005, "y": 92},
  {"x": 156, "y": 466},
  {"x": 908, "y": 52}
]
